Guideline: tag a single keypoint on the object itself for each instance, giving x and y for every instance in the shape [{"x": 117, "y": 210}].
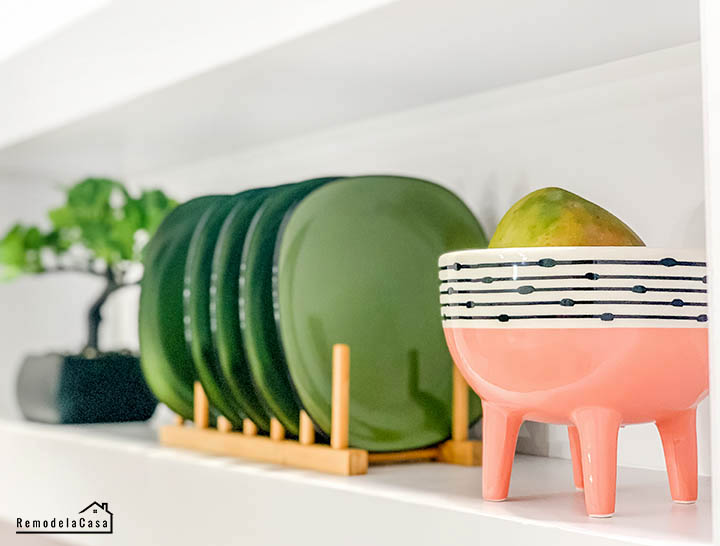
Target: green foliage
[
  {"x": 99, "y": 215},
  {"x": 20, "y": 251}
]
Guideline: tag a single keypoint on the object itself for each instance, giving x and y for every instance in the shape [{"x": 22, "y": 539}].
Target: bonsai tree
[{"x": 100, "y": 231}]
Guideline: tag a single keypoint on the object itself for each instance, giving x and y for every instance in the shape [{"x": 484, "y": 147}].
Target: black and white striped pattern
[{"x": 573, "y": 287}]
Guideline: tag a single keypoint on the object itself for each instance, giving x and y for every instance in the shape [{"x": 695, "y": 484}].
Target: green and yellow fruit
[{"x": 557, "y": 217}]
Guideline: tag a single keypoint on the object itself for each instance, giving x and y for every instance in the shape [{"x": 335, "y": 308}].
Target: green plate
[
  {"x": 257, "y": 321},
  {"x": 357, "y": 264},
  {"x": 165, "y": 359},
  {"x": 196, "y": 297},
  {"x": 225, "y": 310}
]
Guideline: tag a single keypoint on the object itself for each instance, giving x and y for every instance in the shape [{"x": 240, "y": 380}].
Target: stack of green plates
[{"x": 248, "y": 293}]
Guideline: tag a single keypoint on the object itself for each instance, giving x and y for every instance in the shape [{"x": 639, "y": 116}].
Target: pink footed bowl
[{"x": 590, "y": 337}]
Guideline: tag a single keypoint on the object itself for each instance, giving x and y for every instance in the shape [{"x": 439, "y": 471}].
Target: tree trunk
[{"x": 95, "y": 313}]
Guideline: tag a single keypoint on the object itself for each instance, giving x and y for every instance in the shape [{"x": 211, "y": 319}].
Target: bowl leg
[
  {"x": 576, "y": 455},
  {"x": 500, "y": 432},
  {"x": 598, "y": 430},
  {"x": 679, "y": 442}
]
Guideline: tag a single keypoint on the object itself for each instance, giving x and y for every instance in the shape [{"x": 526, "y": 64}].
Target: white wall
[
  {"x": 710, "y": 18},
  {"x": 626, "y": 135}
]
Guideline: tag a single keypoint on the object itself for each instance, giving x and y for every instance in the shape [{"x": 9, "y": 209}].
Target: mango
[{"x": 557, "y": 217}]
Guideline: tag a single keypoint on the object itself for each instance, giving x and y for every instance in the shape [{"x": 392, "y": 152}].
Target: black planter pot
[{"x": 72, "y": 389}]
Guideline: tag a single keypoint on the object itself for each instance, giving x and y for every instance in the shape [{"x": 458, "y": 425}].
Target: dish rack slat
[{"x": 336, "y": 458}]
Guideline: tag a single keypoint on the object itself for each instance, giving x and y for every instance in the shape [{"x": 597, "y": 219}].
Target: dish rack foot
[{"x": 336, "y": 458}]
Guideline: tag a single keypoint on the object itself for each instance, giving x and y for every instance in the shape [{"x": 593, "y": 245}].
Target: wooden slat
[
  {"x": 179, "y": 420},
  {"x": 201, "y": 407},
  {"x": 460, "y": 407},
  {"x": 345, "y": 462},
  {"x": 249, "y": 427},
  {"x": 462, "y": 452},
  {"x": 339, "y": 431},
  {"x": 404, "y": 456},
  {"x": 223, "y": 424},
  {"x": 307, "y": 429},
  {"x": 336, "y": 458},
  {"x": 277, "y": 431}
]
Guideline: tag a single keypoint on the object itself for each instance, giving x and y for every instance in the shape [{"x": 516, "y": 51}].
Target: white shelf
[
  {"x": 137, "y": 86},
  {"x": 161, "y": 495}
]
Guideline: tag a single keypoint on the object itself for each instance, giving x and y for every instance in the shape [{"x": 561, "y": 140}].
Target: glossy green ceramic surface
[
  {"x": 165, "y": 358},
  {"x": 257, "y": 322},
  {"x": 196, "y": 298},
  {"x": 357, "y": 264},
  {"x": 225, "y": 308}
]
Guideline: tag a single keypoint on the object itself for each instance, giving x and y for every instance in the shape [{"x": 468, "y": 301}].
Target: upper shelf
[{"x": 142, "y": 85}]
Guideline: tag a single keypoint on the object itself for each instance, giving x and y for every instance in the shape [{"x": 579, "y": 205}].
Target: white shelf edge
[
  {"x": 107, "y": 113},
  {"x": 127, "y": 49},
  {"x": 415, "y": 502}
]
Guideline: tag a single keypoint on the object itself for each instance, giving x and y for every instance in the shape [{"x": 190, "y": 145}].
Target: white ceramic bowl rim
[
  {"x": 573, "y": 287},
  {"x": 522, "y": 254}
]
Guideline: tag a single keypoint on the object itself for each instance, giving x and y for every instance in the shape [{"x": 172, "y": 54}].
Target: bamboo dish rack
[{"x": 335, "y": 458}]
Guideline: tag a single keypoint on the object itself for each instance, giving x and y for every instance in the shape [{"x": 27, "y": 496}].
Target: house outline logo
[
  {"x": 94, "y": 519},
  {"x": 103, "y": 507}
]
